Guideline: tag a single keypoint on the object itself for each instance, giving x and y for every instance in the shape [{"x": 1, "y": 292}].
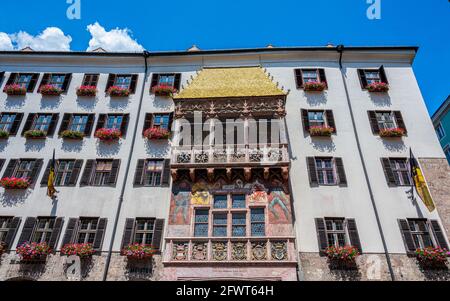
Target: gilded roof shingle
[{"x": 230, "y": 82}]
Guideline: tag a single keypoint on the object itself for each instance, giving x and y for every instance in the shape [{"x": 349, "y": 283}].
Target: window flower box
[
  {"x": 35, "y": 134},
  {"x": 432, "y": 257},
  {"x": 115, "y": 91},
  {"x": 138, "y": 251},
  {"x": 108, "y": 134},
  {"x": 321, "y": 131},
  {"x": 314, "y": 86},
  {"x": 393, "y": 132},
  {"x": 378, "y": 87},
  {"x": 14, "y": 183},
  {"x": 33, "y": 251},
  {"x": 164, "y": 90},
  {"x": 87, "y": 91},
  {"x": 156, "y": 133},
  {"x": 15, "y": 90},
  {"x": 80, "y": 250},
  {"x": 342, "y": 256},
  {"x": 72, "y": 135},
  {"x": 50, "y": 90},
  {"x": 4, "y": 134}
]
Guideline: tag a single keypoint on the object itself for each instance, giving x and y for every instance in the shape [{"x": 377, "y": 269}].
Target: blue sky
[{"x": 176, "y": 25}]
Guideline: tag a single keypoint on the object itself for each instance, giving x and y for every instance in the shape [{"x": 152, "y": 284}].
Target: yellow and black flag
[
  {"x": 419, "y": 182},
  {"x": 51, "y": 178}
]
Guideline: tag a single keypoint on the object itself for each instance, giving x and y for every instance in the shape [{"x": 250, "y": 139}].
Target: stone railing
[
  {"x": 216, "y": 250},
  {"x": 231, "y": 154}
]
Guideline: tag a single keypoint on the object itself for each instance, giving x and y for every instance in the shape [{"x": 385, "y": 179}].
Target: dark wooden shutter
[
  {"x": 28, "y": 123},
  {"x": 2, "y": 162},
  {"x": 128, "y": 232},
  {"x": 99, "y": 235},
  {"x": 35, "y": 171},
  {"x": 340, "y": 171},
  {"x": 362, "y": 78},
  {"x": 148, "y": 121},
  {"x": 88, "y": 169},
  {"x": 65, "y": 123},
  {"x": 45, "y": 80},
  {"x": 353, "y": 234},
  {"x": 66, "y": 83},
  {"x": 16, "y": 124},
  {"x": 2, "y": 74},
  {"x": 89, "y": 125},
  {"x": 11, "y": 80},
  {"x": 388, "y": 172},
  {"x": 322, "y": 76},
  {"x": 170, "y": 121},
  {"x": 166, "y": 173},
  {"x": 383, "y": 76},
  {"x": 305, "y": 120},
  {"x": 70, "y": 231},
  {"x": 53, "y": 123},
  {"x": 101, "y": 121},
  {"x": 112, "y": 179},
  {"x": 298, "y": 78},
  {"x": 124, "y": 124},
  {"x": 27, "y": 230},
  {"x": 54, "y": 237},
  {"x": 33, "y": 82},
  {"x": 155, "y": 77},
  {"x": 373, "y": 122},
  {"x": 311, "y": 163},
  {"x": 139, "y": 173},
  {"x": 10, "y": 168},
  {"x": 399, "y": 120},
  {"x": 330, "y": 119},
  {"x": 407, "y": 237},
  {"x": 12, "y": 231},
  {"x": 44, "y": 180},
  {"x": 321, "y": 235},
  {"x": 133, "y": 83},
  {"x": 111, "y": 80},
  {"x": 177, "y": 81},
  {"x": 157, "y": 234},
  {"x": 75, "y": 173},
  {"x": 439, "y": 234}
]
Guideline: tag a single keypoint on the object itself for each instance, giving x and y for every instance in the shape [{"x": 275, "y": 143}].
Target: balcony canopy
[{"x": 230, "y": 82}]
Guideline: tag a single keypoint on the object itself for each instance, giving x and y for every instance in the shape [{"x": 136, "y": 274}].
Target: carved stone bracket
[
  {"x": 266, "y": 173},
  {"x": 192, "y": 174},
  {"x": 174, "y": 173},
  {"x": 247, "y": 173},
  {"x": 210, "y": 172},
  {"x": 285, "y": 173}
]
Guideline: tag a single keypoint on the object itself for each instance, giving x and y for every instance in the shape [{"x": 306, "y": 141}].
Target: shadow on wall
[
  {"x": 163, "y": 103},
  {"x": 72, "y": 146},
  {"x": 315, "y": 99},
  {"x": 34, "y": 145},
  {"x": 108, "y": 149},
  {"x": 323, "y": 144},
  {"x": 380, "y": 99},
  {"x": 442, "y": 274},
  {"x": 12, "y": 198},
  {"x": 15, "y": 102},
  {"x": 87, "y": 103},
  {"x": 157, "y": 148},
  {"x": 394, "y": 144},
  {"x": 3, "y": 144},
  {"x": 118, "y": 103},
  {"x": 50, "y": 102}
]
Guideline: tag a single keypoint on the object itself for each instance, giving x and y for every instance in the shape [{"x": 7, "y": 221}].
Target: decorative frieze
[
  {"x": 259, "y": 250},
  {"x": 279, "y": 250},
  {"x": 200, "y": 251},
  {"x": 239, "y": 251},
  {"x": 180, "y": 251},
  {"x": 219, "y": 251}
]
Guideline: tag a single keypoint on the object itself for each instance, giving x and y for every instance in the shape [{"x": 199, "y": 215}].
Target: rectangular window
[
  {"x": 64, "y": 170},
  {"x": 43, "y": 230},
  {"x": 372, "y": 76},
  {"x": 201, "y": 223},
  {"x": 42, "y": 122},
  {"x": 114, "y": 122},
  {"x": 87, "y": 230},
  {"x": 144, "y": 230},
  {"x": 123, "y": 81},
  {"x": 239, "y": 222},
  {"x": 102, "y": 172},
  {"x": 24, "y": 169},
  {"x": 440, "y": 131},
  {"x": 5, "y": 223},
  {"x": 420, "y": 233},
  {"x": 220, "y": 201},
  {"x": 57, "y": 80},
  {"x": 386, "y": 120},
  {"x": 401, "y": 171},
  {"x": 447, "y": 152},
  {"x": 78, "y": 123},
  {"x": 153, "y": 172},
  {"x": 161, "y": 121},
  {"x": 166, "y": 79},
  {"x": 316, "y": 118},
  {"x": 23, "y": 80},
  {"x": 257, "y": 221},
  {"x": 220, "y": 225},
  {"x": 325, "y": 171},
  {"x": 238, "y": 201},
  {"x": 6, "y": 121},
  {"x": 335, "y": 230},
  {"x": 310, "y": 75}
]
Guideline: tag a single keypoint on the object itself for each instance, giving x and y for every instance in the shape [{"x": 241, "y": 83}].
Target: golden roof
[{"x": 230, "y": 82}]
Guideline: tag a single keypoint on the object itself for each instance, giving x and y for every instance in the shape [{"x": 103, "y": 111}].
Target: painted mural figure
[
  {"x": 180, "y": 205},
  {"x": 278, "y": 198}
]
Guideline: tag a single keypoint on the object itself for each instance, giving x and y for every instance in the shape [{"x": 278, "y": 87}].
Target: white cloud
[
  {"x": 52, "y": 38},
  {"x": 115, "y": 40}
]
